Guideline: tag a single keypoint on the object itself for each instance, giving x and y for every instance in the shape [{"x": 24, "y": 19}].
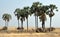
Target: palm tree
[
  {"x": 22, "y": 17},
  {"x": 42, "y": 15},
  {"x": 7, "y": 18},
  {"x": 27, "y": 12},
  {"x": 43, "y": 19},
  {"x": 16, "y": 12},
  {"x": 35, "y": 9},
  {"x": 51, "y": 13}
]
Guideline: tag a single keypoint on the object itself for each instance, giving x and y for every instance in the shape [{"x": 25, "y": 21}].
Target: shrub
[
  {"x": 39, "y": 30},
  {"x": 4, "y": 28},
  {"x": 20, "y": 28},
  {"x": 51, "y": 29}
]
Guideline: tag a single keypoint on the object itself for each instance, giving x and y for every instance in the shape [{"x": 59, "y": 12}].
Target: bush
[
  {"x": 4, "y": 28},
  {"x": 51, "y": 29},
  {"x": 19, "y": 28},
  {"x": 39, "y": 30},
  {"x": 46, "y": 29}
]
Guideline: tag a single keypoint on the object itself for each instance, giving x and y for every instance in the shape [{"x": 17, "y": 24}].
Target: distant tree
[
  {"x": 51, "y": 13},
  {"x": 22, "y": 18},
  {"x": 34, "y": 10},
  {"x": 42, "y": 15},
  {"x": 16, "y": 12},
  {"x": 27, "y": 13},
  {"x": 7, "y": 18}
]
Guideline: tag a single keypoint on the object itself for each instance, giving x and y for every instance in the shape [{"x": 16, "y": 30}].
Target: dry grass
[
  {"x": 55, "y": 33},
  {"x": 30, "y": 35}
]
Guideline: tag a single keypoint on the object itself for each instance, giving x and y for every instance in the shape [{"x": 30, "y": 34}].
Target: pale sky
[{"x": 9, "y": 6}]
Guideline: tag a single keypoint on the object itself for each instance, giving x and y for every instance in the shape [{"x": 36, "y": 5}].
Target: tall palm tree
[
  {"x": 42, "y": 15},
  {"x": 43, "y": 19},
  {"x": 22, "y": 17},
  {"x": 7, "y": 18},
  {"x": 16, "y": 12},
  {"x": 35, "y": 9},
  {"x": 27, "y": 12},
  {"x": 51, "y": 13}
]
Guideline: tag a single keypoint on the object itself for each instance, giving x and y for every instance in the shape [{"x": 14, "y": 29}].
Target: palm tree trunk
[
  {"x": 5, "y": 23},
  {"x": 27, "y": 24},
  {"x": 43, "y": 26},
  {"x": 37, "y": 21},
  {"x": 51, "y": 19},
  {"x": 18, "y": 23},
  {"x": 50, "y": 22},
  {"x": 22, "y": 24}
]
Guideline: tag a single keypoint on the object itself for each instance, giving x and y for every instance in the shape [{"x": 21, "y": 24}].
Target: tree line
[{"x": 38, "y": 9}]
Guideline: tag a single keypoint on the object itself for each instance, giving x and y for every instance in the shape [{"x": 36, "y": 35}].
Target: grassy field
[
  {"x": 29, "y": 34},
  {"x": 55, "y": 33}
]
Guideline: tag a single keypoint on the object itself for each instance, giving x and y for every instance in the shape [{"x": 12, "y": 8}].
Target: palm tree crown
[{"x": 6, "y": 17}]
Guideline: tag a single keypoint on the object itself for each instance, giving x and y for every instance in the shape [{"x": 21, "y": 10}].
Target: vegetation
[
  {"x": 35, "y": 8},
  {"x": 51, "y": 14},
  {"x": 6, "y": 18},
  {"x": 38, "y": 9},
  {"x": 27, "y": 13}
]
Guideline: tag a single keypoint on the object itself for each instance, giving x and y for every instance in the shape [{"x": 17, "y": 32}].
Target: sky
[{"x": 9, "y": 6}]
